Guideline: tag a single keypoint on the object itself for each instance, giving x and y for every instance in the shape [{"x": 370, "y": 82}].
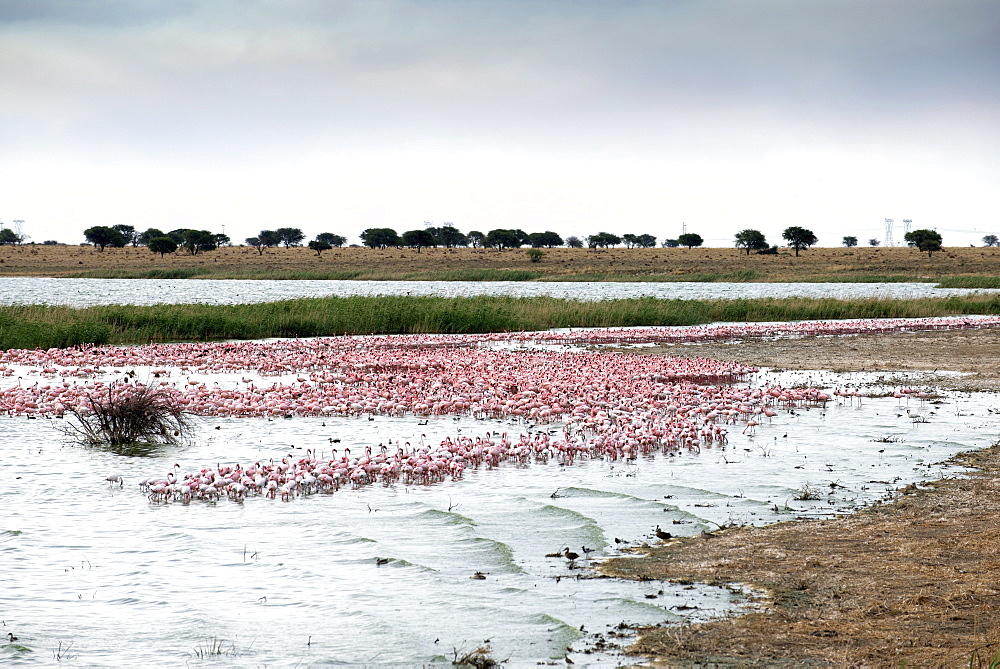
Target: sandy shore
[{"x": 915, "y": 581}]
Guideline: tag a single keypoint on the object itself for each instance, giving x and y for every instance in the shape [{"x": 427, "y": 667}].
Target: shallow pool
[{"x": 385, "y": 574}]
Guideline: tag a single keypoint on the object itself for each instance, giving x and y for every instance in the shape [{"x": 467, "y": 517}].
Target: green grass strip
[
  {"x": 27, "y": 326},
  {"x": 970, "y": 282}
]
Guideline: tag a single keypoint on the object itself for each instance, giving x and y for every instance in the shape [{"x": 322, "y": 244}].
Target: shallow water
[
  {"x": 91, "y": 292},
  {"x": 125, "y": 581}
]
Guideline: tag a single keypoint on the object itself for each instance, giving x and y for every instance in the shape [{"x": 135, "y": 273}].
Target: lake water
[
  {"x": 101, "y": 570},
  {"x": 91, "y": 292}
]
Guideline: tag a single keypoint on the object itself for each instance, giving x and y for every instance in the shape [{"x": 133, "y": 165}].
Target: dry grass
[{"x": 707, "y": 264}]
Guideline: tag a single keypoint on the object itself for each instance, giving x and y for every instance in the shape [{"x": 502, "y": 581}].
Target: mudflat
[
  {"x": 936, "y": 355},
  {"x": 914, "y": 581}
]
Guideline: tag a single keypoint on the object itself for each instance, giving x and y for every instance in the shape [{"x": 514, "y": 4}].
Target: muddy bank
[
  {"x": 936, "y": 355},
  {"x": 914, "y": 581}
]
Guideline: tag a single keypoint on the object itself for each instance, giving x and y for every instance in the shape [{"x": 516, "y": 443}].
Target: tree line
[
  {"x": 799, "y": 238},
  {"x": 447, "y": 236},
  {"x": 120, "y": 236}
]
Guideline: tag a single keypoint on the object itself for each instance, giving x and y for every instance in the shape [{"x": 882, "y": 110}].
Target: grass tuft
[{"x": 215, "y": 648}]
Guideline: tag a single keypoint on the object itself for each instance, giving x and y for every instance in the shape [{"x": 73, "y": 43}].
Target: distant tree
[
  {"x": 418, "y": 239},
  {"x": 102, "y": 236},
  {"x": 646, "y": 241},
  {"x": 256, "y": 243},
  {"x": 331, "y": 239},
  {"x": 196, "y": 241},
  {"x": 178, "y": 235},
  {"x": 674, "y": 243},
  {"x": 630, "y": 240},
  {"x": 264, "y": 240},
  {"x": 129, "y": 233},
  {"x": 574, "y": 242},
  {"x": 751, "y": 240},
  {"x": 925, "y": 240},
  {"x": 162, "y": 245},
  {"x": 991, "y": 240},
  {"x": 548, "y": 239},
  {"x": 270, "y": 237},
  {"x": 448, "y": 236},
  {"x": 690, "y": 240},
  {"x": 603, "y": 239},
  {"x": 319, "y": 247},
  {"x": 501, "y": 239},
  {"x": 8, "y": 236},
  {"x": 380, "y": 238},
  {"x": 799, "y": 238},
  {"x": 873, "y": 242},
  {"x": 222, "y": 240},
  {"x": 150, "y": 233},
  {"x": 476, "y": 238},
  {"x": 536, "y": 240},
  {"x": 51, "y": 242},
  {"x": 290, "y": 236},
  {"x": 850, "y": 242}
]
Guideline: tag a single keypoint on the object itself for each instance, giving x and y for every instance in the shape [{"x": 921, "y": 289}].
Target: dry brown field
[{"x": 621, "y": 264}]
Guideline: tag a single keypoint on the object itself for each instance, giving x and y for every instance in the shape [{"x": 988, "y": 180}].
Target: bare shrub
[
  {"x": 807, "y": 492},
  {"x": 480, "y": 658},
  {"x": 129, "y": 413}
]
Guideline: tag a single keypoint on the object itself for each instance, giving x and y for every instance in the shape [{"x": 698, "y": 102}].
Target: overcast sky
[{"x": 576, "y": 116}]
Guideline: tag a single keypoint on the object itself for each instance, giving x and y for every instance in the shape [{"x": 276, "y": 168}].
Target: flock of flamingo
[{"x": 592, "y": 405}]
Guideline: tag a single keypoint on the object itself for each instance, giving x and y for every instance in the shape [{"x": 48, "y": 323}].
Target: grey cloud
[{"x": 224, "y": 71}]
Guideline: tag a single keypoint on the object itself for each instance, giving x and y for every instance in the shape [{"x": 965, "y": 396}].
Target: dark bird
[
  {"x": 587, "y": 551},
  {"x": 570, "y": 555},
  {"x": 381, "y": 561},
  {"x": 479, "y": 576},
  {"x": 10, "y": 635},
  {"x": 660, "y": 534}
]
